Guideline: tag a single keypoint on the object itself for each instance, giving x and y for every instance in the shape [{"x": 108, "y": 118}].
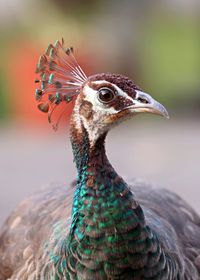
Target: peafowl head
[{"x": 102, "y": 100}]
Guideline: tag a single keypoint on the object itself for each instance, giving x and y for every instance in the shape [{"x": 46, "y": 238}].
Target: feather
[
  {"x": 56, "y": 205},
  {"x": 60, "y": 81}
]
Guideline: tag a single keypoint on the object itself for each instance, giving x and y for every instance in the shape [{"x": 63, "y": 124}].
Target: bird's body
[
  {"x": 29, "y": 250},
  {"x": 104, "y": 228}
]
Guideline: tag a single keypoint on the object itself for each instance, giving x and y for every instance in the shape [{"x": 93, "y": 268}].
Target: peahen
[{"x": 102, "y": 228}]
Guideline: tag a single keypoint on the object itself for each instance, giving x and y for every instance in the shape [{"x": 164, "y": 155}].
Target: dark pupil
[{"x": 106, "y": 95}]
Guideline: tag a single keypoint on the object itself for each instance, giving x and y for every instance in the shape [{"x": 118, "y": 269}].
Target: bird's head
[
  {"x": 103, "y": 100},
  {"x": 107, "y": 99}
]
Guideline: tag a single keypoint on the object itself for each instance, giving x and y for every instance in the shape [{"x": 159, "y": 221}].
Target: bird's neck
[
  {"x": 108, "y": 227},
  {"x": 97, "y": 181}
]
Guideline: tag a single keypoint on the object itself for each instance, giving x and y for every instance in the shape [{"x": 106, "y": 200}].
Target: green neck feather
[
  {"x": 98, "y": 184},
  {"x": 108, "y": 236}
]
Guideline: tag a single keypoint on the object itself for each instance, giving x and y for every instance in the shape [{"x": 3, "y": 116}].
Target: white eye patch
[{"x": 91, "y": 96}]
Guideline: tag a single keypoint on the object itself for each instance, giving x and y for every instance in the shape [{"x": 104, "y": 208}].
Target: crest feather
[{"x": 60, "y": 81}]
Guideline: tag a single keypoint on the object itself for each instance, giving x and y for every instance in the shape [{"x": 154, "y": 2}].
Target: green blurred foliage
[
  {"x": 171, "y": 58},
  {"x": 4, "y": 99}
]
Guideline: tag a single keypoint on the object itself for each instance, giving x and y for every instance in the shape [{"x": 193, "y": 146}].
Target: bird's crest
[{"x": 61, "y": 78}]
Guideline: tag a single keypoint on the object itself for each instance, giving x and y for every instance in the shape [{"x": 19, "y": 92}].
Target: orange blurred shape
[{"x": 21, "y": 65}]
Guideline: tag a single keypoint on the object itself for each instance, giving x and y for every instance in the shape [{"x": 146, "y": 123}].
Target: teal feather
[{"x": 108, "y": 234}]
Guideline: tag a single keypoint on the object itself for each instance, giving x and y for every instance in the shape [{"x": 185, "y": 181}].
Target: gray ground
[{"x": 164, "y": 152}]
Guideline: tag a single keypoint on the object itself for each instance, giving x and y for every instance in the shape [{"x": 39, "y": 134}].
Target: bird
[{"x": 101, "y": 227}]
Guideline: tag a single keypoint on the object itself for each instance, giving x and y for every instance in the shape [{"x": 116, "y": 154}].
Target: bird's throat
[{"x": 87, "y": 155}]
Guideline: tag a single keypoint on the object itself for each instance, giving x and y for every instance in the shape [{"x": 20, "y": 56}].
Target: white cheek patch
[
  {"x": 97, "y": 106},
  {"x": 96, "y": 127}
]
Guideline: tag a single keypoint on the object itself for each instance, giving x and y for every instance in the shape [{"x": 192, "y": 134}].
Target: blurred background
[{"x": 155, "y": 43}]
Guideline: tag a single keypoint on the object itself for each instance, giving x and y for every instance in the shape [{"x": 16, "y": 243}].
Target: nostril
[{"x": 142, "y": 100}]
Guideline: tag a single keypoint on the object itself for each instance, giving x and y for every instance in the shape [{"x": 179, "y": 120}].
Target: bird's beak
[{"x": 143, "y": 102}]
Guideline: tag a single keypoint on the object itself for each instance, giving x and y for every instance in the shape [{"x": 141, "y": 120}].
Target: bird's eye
[{"x": 106, "y": 95}]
